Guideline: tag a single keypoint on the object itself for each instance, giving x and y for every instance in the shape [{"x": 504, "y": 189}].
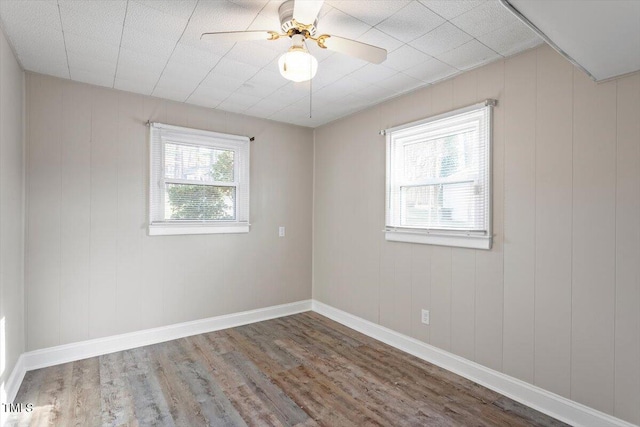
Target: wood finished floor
[{"x": 301, "y": 370}]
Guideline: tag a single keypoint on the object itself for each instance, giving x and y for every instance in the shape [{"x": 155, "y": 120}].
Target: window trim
[
  {"x": 197, "y": 137},
  {"x": 455, "y": 238}
]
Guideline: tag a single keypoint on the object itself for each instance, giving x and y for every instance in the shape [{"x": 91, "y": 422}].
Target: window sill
[
  {"x": 181, "y": 229},
  {"x": 441, "y": 239}
]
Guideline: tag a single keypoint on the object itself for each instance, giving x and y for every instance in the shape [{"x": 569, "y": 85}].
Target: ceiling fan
[{"x": 299, "y": 21}]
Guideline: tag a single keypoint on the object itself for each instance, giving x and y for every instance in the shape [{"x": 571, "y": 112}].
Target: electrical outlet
[
  {"x": 281, "y": 231},
  {"x": 425, "y": 317}
]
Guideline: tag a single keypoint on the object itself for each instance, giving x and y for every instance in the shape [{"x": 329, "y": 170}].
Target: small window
[
  {"x": 439, "y": 179},
  {"x": 199, "y": 181}
]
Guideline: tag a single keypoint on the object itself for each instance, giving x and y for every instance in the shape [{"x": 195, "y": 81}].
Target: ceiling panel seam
[
  {"x": 225, "y": 54},
  {"x": 64, "y": 41},
  {"x": 175, "y": 47},
  {"x": 124, "y": 21}
]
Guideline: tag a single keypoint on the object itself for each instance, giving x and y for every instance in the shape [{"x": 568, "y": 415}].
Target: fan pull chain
[
  {"x": 310, "y": 90},
  {"x": 310, "y": 98}
]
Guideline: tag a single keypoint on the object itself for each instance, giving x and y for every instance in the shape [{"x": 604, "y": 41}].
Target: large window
[
  {"x": 439, "y": 179},
  {"x": 199, "y": 181}
]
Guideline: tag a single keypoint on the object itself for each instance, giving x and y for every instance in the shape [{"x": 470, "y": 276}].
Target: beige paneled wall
[
  {"x": 92, "y": 271},
  {"x": 556, "y": 302},
  {"x": 11, "y": 214}
]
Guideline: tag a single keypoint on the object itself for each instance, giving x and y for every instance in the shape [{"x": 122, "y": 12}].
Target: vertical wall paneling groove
[
  {"x": 420, "y": 289},
  {"x": 402, "y": 295},
  {"x": 594, "y": 210},
  {"x": 553, "y": 219},
  {"x": 396, "y": 289},
  {"x": 441, "y": 257},
  {"x": 44, "y": 239},
  {"x": 3, "y": 291},
  {"x": 441, "y": 275},
  {"x": 409, "y": 288},
  {"x": 327, "y": 216},
  {"x": 560, "y": 289},
  {"x": 93, "y": 271},
  {"x": 75, "y": 216},
  {"x": 178, "y": 263},
  {"x": 388, "y": 250},
  {"x": 199, "y": 291},
  {"x": 463, "y": 268},
  {"x": 12, "y": 186},
  {"x": 373, "y": 182},
  {"x": 2, "y": 285},
  {"x": 130, "y": 143},
  {"x": 359, "y": 247},
  {"x": 27, "y": 188},
  {"x": 519, "y": 205},
  {"x": 627, "y": 315},
  {"x": 153, "y": 272},
  {"x": 463, "y": 271},
  {"x": 490, "y": 264},
  {"x": 103, "y": 305},
  {"x": 387, "y": 273}
]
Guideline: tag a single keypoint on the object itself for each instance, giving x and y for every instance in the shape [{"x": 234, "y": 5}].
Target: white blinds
[
  {"x": 198, "y": 176},
  {"x": 438, "y": 173}
]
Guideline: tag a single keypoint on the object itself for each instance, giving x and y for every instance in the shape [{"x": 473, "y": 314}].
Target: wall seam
[
  {"x": 60, "y": 258},
  {"x": 573, "y": 101},
  {"x": 638, "y": 278},
  {"x": 475, "y": 301},
  {"x": 24, "y": 209},
  {"x": 502, "y": 204},
  {"x": 27, "y": 192},
  {"x": 90, "y": 214},
  {"x": 117, "y": 304},
  {"x": 451, "y": 298},
  {"x": 615, "y": 251},
  {"x": 380, "y": 249},
  {"x": 535, "y": 212},
  {"x": 504, "y": 201},
  {"x": 3, "y": 355},
  {"x": 313, "y": 215}
]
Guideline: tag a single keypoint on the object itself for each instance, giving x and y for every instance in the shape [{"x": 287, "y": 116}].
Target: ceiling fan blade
[
  {"x": 239, "y": 36},
  {"x": 306, "y": 11},
  {"x": 364, "y": 51}
]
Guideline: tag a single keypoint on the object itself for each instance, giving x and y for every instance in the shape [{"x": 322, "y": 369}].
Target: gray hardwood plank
[
  {"x": 84, "y": 400},
  {"x": 184, "y": 409},
  {"x": 149, "y": 404},
  {"x": 115, "y": 394},
  {"x": 262, "y": 337},
  {"x": 214, "y": 404},
  {"x": 281, "y": 405}
]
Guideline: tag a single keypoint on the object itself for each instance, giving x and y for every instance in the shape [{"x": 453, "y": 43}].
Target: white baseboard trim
[
  {"x": 15, "y": 379},
  {"x": 559, "y": 407},
  {"x": 96, "y": 347}
]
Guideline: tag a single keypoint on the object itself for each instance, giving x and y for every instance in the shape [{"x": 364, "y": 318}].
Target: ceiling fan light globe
[{"x": 298, "y": 65}]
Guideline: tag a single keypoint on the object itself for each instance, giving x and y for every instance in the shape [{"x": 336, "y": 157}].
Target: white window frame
[
  {"x": 159, "y": 135},
  {"x": 476, "y": 239}
]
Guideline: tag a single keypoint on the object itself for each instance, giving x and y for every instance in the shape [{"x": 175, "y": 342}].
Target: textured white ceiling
[
  {"x": 602, "y": 36},
  {"x": 153, "y": 47}
]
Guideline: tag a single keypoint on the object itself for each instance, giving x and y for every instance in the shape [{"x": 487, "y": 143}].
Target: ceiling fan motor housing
[{"x": 289, "y": 26}]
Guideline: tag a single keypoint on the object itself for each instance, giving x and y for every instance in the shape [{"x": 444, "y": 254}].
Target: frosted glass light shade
[{"x": 298, "y": 65}]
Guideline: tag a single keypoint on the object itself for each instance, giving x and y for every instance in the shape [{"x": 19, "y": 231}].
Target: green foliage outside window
[{"x": 206, "y": 202}]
